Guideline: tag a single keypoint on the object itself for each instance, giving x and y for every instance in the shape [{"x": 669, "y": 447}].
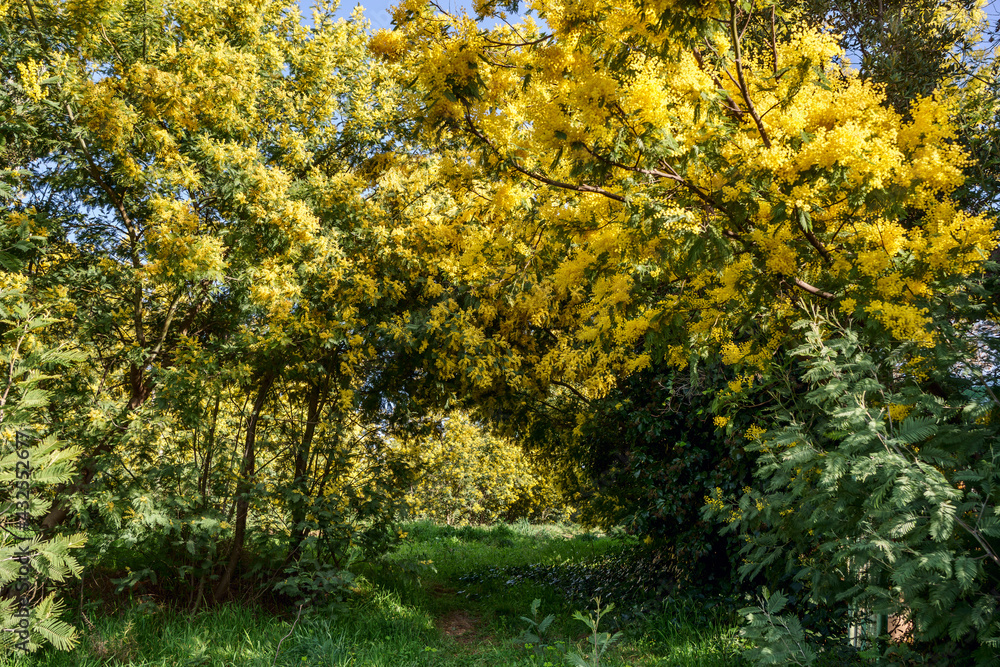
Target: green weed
[
  {"x": 423, "y": 606},
  {"x": 599, "y": 641}
]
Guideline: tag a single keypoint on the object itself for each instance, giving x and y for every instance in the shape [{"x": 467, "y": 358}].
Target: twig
[
  {"x": 517, "y": 44},
  {"x": 572, "y": 389},
  {"x": 979, "y": 538},
  {"x": 10, "y": 370},
  {"x": 744, "y": 88},
  {"x": 728, "y": 103},
  {"x": 290, "y": 631},
  {"x": 532, "y": 174},
  {"x": 671, "y": 176},
  {"x": 813, "y": 290},
  {"x": 774, "y": 48}
]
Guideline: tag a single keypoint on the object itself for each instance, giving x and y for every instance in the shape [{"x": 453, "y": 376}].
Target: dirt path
[{"x": 459, "y": 624}]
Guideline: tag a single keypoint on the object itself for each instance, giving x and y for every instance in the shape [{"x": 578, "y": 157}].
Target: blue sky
[{"x": 377, "y": 11}]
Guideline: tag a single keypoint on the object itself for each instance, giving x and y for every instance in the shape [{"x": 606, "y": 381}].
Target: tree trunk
[
  {"x": 247, "y": 471},
  {"x": 207, "y": 456},
  {"x": 301, "y": 470}
]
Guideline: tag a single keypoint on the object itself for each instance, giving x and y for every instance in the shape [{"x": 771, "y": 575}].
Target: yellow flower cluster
[
  {"x": 177, "y": 250},
  {"x": 897, "y": 412},
  {"x": 802, "y": 205},
  {"x": 733, "y": 353},
  {"x": 904, "y": 321},
  {"x": 387, "y": 44},
  {"x": 715, "y": 501},
  {"x": 30, "y": 79}
]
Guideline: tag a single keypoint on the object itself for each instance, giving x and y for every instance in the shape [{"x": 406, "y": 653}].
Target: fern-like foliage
[
  {"x": 880, "y": 492},
  {"x": 777, "y": 639},
  {"x": 30, "y": 460}
]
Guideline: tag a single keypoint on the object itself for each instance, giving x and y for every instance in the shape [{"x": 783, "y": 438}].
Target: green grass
[
  {"x": 442, "y": 600},
  {"x": 453, "y": 554}
]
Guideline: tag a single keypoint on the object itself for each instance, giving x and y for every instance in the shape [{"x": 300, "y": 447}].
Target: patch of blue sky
[{"x": 379, "y": 12}]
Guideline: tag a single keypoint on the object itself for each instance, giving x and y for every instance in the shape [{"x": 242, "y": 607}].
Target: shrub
[
  {"x": 881, "y": 487},
  {"x": 652, "y": 452},
  {"x": 29, "y": 461},
  {"x": 468, "y": 475}
]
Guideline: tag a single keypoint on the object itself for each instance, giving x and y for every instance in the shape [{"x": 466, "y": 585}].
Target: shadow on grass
[{"x": 411, "y": 610}]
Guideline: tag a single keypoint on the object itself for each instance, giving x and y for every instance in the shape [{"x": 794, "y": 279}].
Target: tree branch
[
  {"x": 171, "y": 311},
  {"x": 730, "y": 103},
  {"x": 816, "y": 243},
  {"x": 572, "y": 389},
  {"x": 979, "y": 538},
  {"x": 744, "y": 89},
  {"x": 815, "y": 291},
  {"x": 517, "y": 44},
  {"x": 535, "y": 175},
  {"x": 774, "y": 47}
]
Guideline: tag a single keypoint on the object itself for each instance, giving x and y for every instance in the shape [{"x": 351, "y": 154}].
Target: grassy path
[{"x": 448, "y": 598}]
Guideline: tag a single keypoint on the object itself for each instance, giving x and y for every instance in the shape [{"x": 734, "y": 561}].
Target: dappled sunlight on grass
[{"x": 423, "y": 606}]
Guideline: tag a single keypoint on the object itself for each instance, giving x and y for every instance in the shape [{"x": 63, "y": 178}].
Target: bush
[
  {"x": 881, "y": 489},
  {"x": 652, "y": 452},
  {"x": 30, "y": 461},
  {"x": 468, "y": 475}
]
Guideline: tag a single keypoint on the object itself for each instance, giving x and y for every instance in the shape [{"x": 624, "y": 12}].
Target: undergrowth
[{"x": 450, "y": 597}]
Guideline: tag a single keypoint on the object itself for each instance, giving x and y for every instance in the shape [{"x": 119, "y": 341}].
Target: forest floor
[{"x": 449, "y": 597}]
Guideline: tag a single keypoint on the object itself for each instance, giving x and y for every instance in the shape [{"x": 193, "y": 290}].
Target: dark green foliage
[
  {"x": 313, "y": 582},
  {"x": 633, "y": 577},
  {"x": 652, "y": 455},
  {"x": 880, "y": 488},
  {"x": 900, "y": 44},
  {"x": 779, "y": 638}
]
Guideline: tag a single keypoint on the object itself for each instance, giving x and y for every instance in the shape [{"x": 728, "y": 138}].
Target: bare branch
[{"x": 815, "y": 291}]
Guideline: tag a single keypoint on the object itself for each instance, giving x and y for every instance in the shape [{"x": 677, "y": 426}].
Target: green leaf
[
  {"x": 586, "y": 620},
  {"x": 558, "y": 157},
  {"x": 34, "y": 398},
  {"x": 805, "y": 220},
  {"x": 546, "y": 622}
]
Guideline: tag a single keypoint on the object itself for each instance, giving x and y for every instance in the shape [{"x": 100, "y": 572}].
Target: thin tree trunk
[
  {"x": 301, "y": 470},
  {"x": 247, "y": 472},
  {"x": 209, "y": 449},
  {"x": 331, "y": 455}
]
